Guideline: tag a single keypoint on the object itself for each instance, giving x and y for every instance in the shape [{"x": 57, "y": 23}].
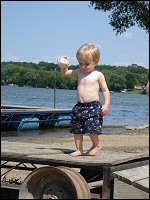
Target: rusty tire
[
  {"x": 82, "y": 188},
  {"x": 53, "y": 183}
]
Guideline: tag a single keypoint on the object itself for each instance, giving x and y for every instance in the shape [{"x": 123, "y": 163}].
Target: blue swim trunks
[{"x": 86, "y": 118}]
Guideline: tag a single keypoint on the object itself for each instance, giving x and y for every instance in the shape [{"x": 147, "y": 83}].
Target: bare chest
[{"x": 88, "y": 79}]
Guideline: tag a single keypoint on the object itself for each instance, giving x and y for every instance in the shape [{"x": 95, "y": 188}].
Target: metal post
[
  {"x": 54, "y": 87},
  {"x": 108, "y": 183}
]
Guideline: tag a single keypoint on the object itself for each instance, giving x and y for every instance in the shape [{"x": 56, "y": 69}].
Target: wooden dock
[{"x": 98, "y": 172}]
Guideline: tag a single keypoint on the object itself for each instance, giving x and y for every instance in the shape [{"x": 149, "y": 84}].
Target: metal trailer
[{"x": 54, "y": 174}]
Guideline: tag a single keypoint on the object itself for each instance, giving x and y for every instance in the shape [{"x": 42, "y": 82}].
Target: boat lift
[{"x": 34, "y": 118}]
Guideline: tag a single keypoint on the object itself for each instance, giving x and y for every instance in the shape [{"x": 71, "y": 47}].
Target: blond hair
[{"x": 87, "y": 50}]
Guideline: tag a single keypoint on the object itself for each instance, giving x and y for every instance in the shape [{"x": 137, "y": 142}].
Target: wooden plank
[
  {"x": 142, "y": 184},
  {"x": 3, "y": 111},
  {"x": 126, "y": 191},
  {"x": 10, "y": 186},
  {"x": 133, "y": 174},
  {"x": 129, "y": 165},
  {"x": 19, "y": 107},
  {"x": 138, "y": 177},
  {"x": 46, "y": 153},
  {"x": 95, "y": 184}
]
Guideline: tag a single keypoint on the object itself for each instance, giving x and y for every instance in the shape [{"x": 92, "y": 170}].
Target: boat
[{"x": 21, "y": 118}]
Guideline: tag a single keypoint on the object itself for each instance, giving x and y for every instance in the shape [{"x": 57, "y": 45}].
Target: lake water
[{"x": 126, "y": 109}]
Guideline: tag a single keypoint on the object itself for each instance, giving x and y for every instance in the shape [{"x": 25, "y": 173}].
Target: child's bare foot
[
  {"x": 93, "y": 150},
  {"x": 76, "y": 153}
]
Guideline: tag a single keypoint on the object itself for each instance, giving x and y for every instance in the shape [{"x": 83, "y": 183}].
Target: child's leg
[
  {"x": 78, "y": 138},
  {"x": 96, "y": 145}
]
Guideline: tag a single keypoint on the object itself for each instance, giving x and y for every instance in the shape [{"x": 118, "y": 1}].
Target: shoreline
[{"x": 65, "y": 134}]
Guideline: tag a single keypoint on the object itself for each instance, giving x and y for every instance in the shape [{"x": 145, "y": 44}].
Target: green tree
[
  {"x": 117, "y": 83},
  {"x": 125, "y": 14},
  {"x": 130, "y": 80}
]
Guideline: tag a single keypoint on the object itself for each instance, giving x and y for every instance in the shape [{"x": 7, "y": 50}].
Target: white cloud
[
  {"x": 144, "y": 55},
  {"x": 43, "y": 59},
  {"x": 125, "y": 63},
  {"x": 10, "y": 57},
  {"x": 127, "y": 35},
  {"x": 122, "y": 63}
]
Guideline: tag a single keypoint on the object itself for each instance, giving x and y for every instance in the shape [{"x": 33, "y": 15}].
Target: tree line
[{"x": 42, "y": 75}]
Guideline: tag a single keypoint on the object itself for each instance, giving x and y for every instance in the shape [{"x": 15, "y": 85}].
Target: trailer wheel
[
  {"x": 82, "y": 188},
  {"x": 54, "y": 183}
]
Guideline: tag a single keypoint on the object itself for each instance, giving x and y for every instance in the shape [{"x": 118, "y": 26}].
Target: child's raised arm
[{"x": 63, "y": 63}]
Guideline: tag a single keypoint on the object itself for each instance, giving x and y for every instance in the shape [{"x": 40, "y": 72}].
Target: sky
[{"x": 34, "y": 31}]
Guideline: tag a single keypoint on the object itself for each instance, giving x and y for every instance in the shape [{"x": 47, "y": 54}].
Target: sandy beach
[{"x": 128, "y": 139}]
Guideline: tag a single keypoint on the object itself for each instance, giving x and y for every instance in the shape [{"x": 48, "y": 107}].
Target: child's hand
[
  {"x": 63, "y": 62},
  {"x": 105, "y": 109}
]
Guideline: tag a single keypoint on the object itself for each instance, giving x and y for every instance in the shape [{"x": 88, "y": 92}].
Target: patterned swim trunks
[{"x": 86, "y": 118}]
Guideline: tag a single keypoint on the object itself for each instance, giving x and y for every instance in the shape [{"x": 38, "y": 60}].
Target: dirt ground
[{"x": 133, "y": 139}]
